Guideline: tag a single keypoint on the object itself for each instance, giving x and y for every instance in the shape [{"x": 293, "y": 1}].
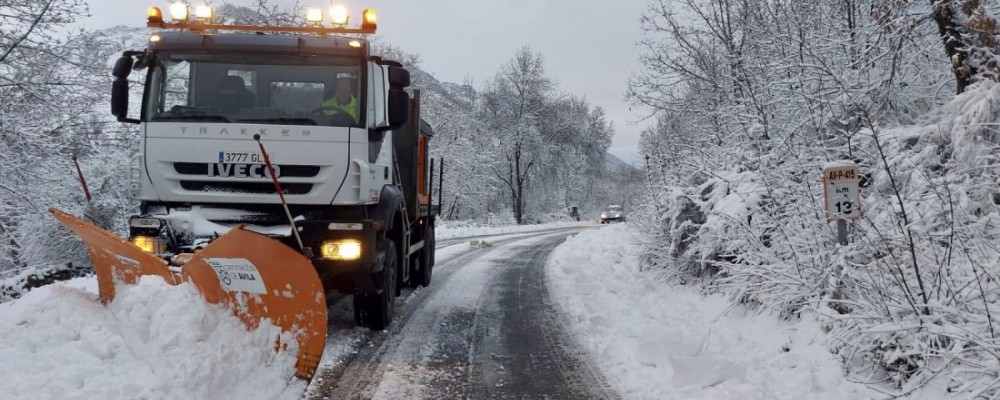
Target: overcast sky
[{"x": 589, "y": 46}]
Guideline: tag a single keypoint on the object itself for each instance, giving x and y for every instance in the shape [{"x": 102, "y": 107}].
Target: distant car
[{"x": 612, "y": 213}]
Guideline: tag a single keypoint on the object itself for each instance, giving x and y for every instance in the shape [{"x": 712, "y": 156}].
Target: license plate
[{"x": 226, "y": 157}]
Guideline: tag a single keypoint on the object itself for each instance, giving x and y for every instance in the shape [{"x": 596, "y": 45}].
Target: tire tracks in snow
[{"x": 359, "y": 374}]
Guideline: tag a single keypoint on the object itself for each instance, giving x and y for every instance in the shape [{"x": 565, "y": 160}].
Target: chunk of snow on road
[
  {"x": 657, "y": 341},
  {"x": 154, "y": 341}
]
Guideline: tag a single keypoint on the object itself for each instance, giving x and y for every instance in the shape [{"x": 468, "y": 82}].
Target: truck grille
[
  {"x": 287, "y": 171},
  {"x": 245, "y": 187}
]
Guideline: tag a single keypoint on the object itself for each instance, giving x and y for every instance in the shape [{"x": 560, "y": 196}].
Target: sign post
[{"x": 842, "y": 195}]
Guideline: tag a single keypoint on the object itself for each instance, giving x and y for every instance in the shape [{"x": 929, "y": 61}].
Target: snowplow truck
[{"x": 278, "y": 165}]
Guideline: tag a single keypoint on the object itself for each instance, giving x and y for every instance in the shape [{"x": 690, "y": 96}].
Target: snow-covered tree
[
  {"x": 511, "y": 114},
  {"x": 50, "y": 86}
]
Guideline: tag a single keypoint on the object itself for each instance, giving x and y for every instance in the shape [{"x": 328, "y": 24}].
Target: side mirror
[
  {"x": 119, "y": 89},
  {"x": 399, "y": 108},
  {"x": 119, "y": 99},
  {"x": 399, "y": 77},
  {"x": 123, "y": 67}
]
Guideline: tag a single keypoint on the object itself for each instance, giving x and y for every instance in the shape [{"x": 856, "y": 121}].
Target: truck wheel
[
  {"x": 416, "y": 270},
  {"x": 425, "y": 259},
  {"x": 376, "y": 310},
  {"x": 399, "y": 265}
]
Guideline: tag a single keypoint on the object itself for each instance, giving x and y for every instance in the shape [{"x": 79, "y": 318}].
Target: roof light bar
[
  {"x": 338, "y": 15},
  {"x": 179, "y": 11},
  {"x": 314, "y": 15},
  {"x": 180, "y": 15},
  {"x": 153, "y": 14},
  {"x": 319, "y": 30},
  {"x": 203, "y": 12},
  {"x": 368, "y": 18}
]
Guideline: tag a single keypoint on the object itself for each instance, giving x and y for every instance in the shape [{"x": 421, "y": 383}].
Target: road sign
[{"x": 841, "y": 191}]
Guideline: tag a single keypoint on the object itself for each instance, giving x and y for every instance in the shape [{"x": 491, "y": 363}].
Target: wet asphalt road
[{"x": 484, "y": 329}]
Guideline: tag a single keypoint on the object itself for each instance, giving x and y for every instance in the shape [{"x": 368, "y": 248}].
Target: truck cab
[
  {"x": 296, "y": 132},
  {"x": 318, "y": 104}
]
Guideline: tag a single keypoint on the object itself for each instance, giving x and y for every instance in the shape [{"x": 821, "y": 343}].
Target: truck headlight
[
  {"x": 341, "y": 250},
  {"x": 150, "y": 244},
  {"x": 604, "y": 215}
]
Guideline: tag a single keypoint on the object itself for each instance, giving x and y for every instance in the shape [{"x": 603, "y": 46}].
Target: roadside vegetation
[{"x": 753, "y": 97}]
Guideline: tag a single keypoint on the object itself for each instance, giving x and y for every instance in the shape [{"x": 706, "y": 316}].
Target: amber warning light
[
  {"x": 368, "y": 18},
  {"x": 154, "y": 15}
]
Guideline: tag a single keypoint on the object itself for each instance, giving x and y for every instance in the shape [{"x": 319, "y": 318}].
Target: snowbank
[
  {"x": 154, "y": 341},
  {"x": 457, "y": 229},
  {"x": 29, "y": 278},
  {"x": 657, "y": 341}
]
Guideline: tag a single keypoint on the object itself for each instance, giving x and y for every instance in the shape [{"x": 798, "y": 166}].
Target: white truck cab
[{"x": 206, "y": 96}]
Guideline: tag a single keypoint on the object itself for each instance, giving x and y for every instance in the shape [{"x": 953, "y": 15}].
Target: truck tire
[
  {"x": 427, "y": 257},
  {"x": 376, "y": 310},
  {"x": 424, "y": 261},
  {"x": 416, "y": 268}
]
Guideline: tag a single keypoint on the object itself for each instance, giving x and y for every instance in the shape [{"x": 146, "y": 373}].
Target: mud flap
[{"x": 253, "y": 275}]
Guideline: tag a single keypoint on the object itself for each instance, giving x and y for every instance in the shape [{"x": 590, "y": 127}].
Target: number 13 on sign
[{"x": 841, "y": 191}]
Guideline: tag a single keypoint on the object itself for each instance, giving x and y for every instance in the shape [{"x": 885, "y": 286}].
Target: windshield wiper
[
  {"x": 191, "y": 117},
  {"x": 281, "y": 120}
]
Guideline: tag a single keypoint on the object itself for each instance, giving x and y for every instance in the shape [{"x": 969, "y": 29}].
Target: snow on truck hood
[{"x": 154, "y": 341}]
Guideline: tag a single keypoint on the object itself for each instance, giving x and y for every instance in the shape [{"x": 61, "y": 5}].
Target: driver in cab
[{"x": 343, "y": 100}]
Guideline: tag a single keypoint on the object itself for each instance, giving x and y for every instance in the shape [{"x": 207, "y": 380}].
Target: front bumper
[{"x": 350, "y": 277}]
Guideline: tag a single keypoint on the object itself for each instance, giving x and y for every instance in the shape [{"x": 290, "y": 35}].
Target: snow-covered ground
[
  {"x": 656, "y": 341},
  {"x": 154, "y": 341},
  {"x": 651, "y": 340}
]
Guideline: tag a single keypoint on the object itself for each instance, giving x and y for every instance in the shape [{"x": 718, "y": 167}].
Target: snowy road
[{"x": 485, "y": 328}]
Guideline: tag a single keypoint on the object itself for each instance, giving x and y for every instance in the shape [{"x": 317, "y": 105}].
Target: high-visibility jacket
[{"x": 332, "y": 106}]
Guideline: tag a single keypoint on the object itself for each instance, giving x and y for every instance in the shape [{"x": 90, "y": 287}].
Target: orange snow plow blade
[
  {"x": 259, "y": 277},
  {"x": 253, "y": 275},
  {"x": 114, "y": 258}
]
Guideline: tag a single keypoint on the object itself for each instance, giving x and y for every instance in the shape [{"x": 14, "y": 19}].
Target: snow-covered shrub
[{"x": 913, "y": 297}]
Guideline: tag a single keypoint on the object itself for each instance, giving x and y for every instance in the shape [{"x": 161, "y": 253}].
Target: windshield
[
  {"x": 615, "y": 208},
  {"x": 288, "y": 90}
]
